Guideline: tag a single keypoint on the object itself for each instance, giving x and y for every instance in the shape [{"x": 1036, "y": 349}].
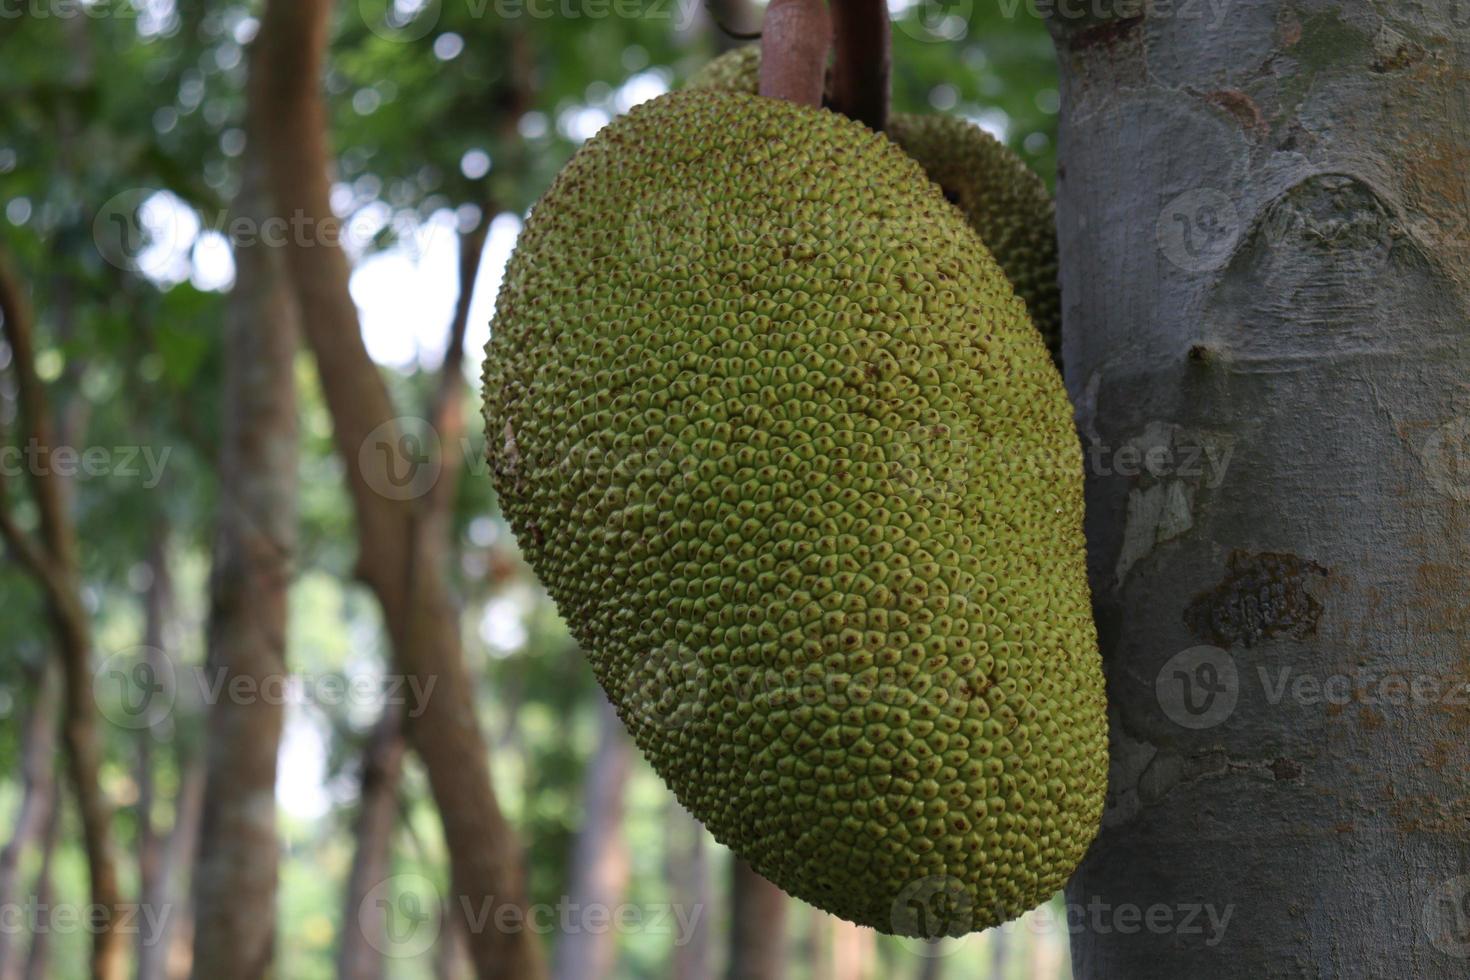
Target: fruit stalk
[
  {"x": 863, "y": 39},
  {"x": 795, "y": 40}
]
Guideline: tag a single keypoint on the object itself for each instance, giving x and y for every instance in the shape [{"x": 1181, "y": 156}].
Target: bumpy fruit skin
[
  {"x": 779, "y": 439},
  {"x": 1004, "y": 201}
]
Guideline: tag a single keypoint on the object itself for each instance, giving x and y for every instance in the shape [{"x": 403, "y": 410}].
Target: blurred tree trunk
[
  {"x": 687, "y": 866},
  {"x": 359, "y": 950},
  {"x": 38, "y": 957},
  {"x": 152, "y": 865},
  {"x": 359, "y": 955},
  {"x": 254, "y": 548},
  {"x": 1264, "y": 259},
  {"x": 54, "y": 563},
  {"x": 599, "y": 866},
  {"x": 177, "y": 939},
  {"x": 1000, "y": 953},
  {"x": 37, "y": 789},
  {"x": 404, "y": 567},
  {"x": 757, "y": 926},
  {"x": 931, "y": 966}
]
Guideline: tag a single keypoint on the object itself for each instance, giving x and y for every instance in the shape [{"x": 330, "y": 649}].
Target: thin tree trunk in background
[
  {"x": 38, "y": 957},
  {"x": 405, "y": 569},
  {"x": 177, "y": 939},
  {"x": 359, "y": 952},
  {"x": 816, "y": 943},
  {"x": 1263, "y": 216},
  {"x": 757, "y": 926},
  {"x": 38, "y": 784},
  {"x": 360, "y": 948},
  {"x": 931, "y": 966},
  {"x": 687, "y": 866},
  {"x": 1000, "y": 953},
  {"x": 54, "y": 563},
  {"x": 452, "y": 955},
  {"x": 152, "y": 865},
  {"x": 600, "y": 861},
  {"x": 254, "y": 547}
]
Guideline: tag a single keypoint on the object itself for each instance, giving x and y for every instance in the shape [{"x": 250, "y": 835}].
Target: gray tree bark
[
  {"x": 254, "y": 547},
  {"x": 600, "y": 861},
  {"x": 1262, "y": 211}
]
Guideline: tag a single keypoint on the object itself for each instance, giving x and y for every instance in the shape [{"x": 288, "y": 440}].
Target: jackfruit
[
  {"x": 1004, "y": 200},
  {"x": 778, "y": 438}
]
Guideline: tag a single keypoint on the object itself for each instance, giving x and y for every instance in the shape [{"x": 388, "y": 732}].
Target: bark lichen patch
[
  {"x": 1243, "y": 109},
  {"x": 1394, "y": 52},
  {"x": 1262, "y": 595}
]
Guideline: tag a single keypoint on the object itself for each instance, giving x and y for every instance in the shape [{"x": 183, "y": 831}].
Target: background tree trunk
[
  {"x": 600, "y": 863},
  {"x": 687, "y": 865},
  {"x": 38, "y": 783},
  {"x": 1263, "y": 216},
  {"x": 54, "y": 563},
  {"x": 757, "y": 926},
  {"x": 359, "y": 955},
  {"x": 360, "y": 949},
  {"x": 255, "y": 541},
  {"x": 152, "y": 845},
  {"x": 404, "y": 567}
]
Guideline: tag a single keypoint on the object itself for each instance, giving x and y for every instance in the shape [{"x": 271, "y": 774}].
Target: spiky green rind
[
  {"x": 779, "y": 439},
  {"x": 1004, "y": 200}
]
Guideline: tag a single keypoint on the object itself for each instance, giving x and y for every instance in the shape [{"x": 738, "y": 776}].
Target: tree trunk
[
  {"x": 363, "y": 940},
  {"x": 37, "y": 777},
  {"x": 54, "y": 563},
  {"x": 1264, "y": 265},
  {"x": 176, "y": 941},
  {"x": 152, "y": 864},
  {"x": 688, "y": 875},
  {"x": 38, "y": 957},
  {"x": 599, "y": 867},
  {"x": 757, "y": 926},
  {"x": 359, "y": 953},
  {"x": 255, "y": 540},
  {"x": 405, "y": 568}
]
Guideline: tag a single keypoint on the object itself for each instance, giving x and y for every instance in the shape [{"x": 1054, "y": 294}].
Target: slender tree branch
[
  {"x": 58, "y": 575},
  {"x": 795, "y": 41},
  {"x": 862, "y": 61}
]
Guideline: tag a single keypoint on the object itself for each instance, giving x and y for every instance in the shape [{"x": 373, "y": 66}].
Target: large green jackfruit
[
  {"x": 779, "y": 439},
  {"x": 1002, "y": 198}
]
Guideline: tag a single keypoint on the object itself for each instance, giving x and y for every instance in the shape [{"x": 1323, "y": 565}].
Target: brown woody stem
[
  {"x": 795, "y": 40},
  {"x": 864, "y": 58}
]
